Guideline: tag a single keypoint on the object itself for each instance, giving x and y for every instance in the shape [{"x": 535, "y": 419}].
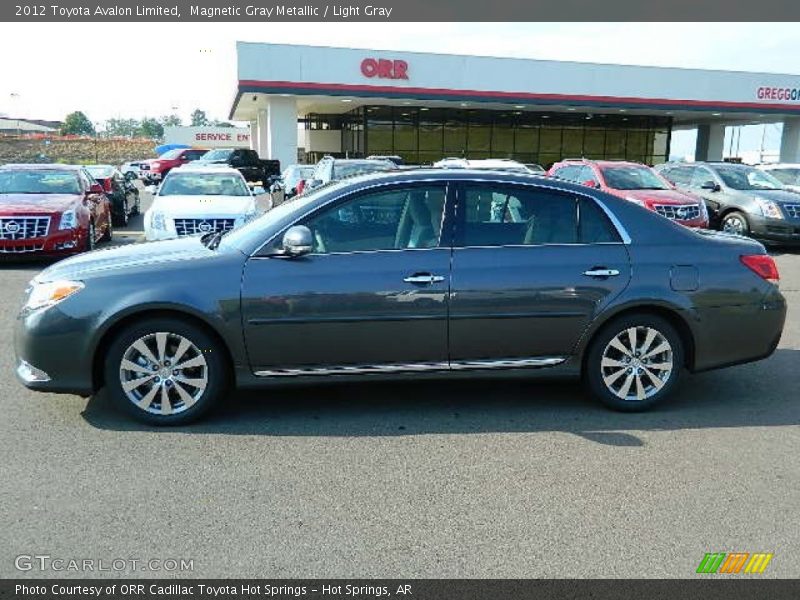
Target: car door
[
  {"x": 372, "y": 295},
  {"x": 532, "y": 267},
  {"x": 706, "y": 184}
]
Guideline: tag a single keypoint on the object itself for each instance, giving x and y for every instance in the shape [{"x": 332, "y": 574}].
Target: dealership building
[{"x": 423, "y": 107}]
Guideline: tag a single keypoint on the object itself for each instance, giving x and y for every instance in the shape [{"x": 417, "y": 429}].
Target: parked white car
[
  {"x": 494, "y": 164},
  {"x": 787, "y": 173},
  {"x": 133, "y": 166},
  {"x": 199, "y": 200}
]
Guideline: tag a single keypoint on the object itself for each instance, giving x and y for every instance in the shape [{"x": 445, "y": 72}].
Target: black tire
[
  {"x": 215, "y": 372},
  {"x": 737, "y": 223},
  {"x": 596, "y": 375},
  {"x": 90, "y": 242},
  {"x": 121, "y": 219},
  {"x": 108, "y": 234}
]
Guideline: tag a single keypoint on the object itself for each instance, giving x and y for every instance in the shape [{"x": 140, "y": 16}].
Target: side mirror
[
  {"x": 590, "y": 183},
  {"x": 96, "y": 188},
  {"x": 298, "y": 240},
  {"x": 710, "y": 185}
]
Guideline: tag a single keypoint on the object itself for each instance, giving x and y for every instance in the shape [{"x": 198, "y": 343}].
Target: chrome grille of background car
[
  {"x": 23, "y": 228},
  {"x": 793, "y": 210},
  {"x": 678, "y": 212},
  {"x": 195, "y": 226}
]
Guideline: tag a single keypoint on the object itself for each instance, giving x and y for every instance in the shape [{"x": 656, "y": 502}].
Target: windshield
[
  {"x": 221, "y": 154},
  {"x": 175, "y": 153},
  {"x": 100, "y": 171},
  {"x": 786, "y": 176},
  {"x": 39, "y": 182},
  {"x": 633, "y": 178},
  {"x": 747, "y": 178},
  {"x": 344, "y": 170},
  {"x": 203, "y": 184}
]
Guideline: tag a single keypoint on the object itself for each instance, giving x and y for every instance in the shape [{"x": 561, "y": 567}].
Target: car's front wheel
[
  {"x": 165, "y": 371},
  {"x": 735, "y": 222},
  {"x": 634, "y": 362}
]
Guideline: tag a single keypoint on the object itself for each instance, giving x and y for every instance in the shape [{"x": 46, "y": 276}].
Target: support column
[
  {"x": 710, "y": 141},
  {"x": 254, "y": 135},
  {"x": 277, "y": 131},
  {"x": 790, "y": 141}
]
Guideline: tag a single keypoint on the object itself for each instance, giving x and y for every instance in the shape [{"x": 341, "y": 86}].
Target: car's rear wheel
[
  {"x": 634, "y": 362},
  {"x": 735, "y": 222},
  {"x": 165, "y": 371}
]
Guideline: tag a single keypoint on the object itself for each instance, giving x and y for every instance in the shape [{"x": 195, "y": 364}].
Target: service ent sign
[{"x": 208, "y": 137}]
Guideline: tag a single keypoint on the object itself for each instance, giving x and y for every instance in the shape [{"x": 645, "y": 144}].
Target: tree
[
  {"x": 77, "y": 123},
  {"x": 216, "y": 123},
  {"x": 171, "y": 121},
  {"x": 122, "y": 127},
  {"x": 151, "y": 128},
  {"x": 199, "y": 118}
]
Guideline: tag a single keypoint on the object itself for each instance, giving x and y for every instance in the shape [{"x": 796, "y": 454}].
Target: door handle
[
  {"x": 601, "y": 272},
  {"x": 424, "y": 278}
]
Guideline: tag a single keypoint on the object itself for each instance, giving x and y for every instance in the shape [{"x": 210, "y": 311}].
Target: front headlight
[
  {"x": 44, "y": 295},
  {"x": 157, "y": 221},
  {"x": 69, "y": 219},
  {"x": 769, "y": 208}
]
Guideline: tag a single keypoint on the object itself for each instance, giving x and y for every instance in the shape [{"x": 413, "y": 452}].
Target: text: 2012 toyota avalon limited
[{"x": 417, "y": 273}]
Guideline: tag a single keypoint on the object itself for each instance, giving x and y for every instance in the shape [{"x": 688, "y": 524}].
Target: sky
[{"x": 135, "y": 70}]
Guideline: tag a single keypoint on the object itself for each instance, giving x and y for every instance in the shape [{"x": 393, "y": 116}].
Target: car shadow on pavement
[{"x": 755, "y": 395}]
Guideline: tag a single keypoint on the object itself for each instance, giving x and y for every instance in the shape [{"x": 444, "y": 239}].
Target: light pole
[{"x": 15, "y": 97}]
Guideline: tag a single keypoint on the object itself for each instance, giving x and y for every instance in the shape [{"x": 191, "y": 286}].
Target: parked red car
[
  {"x": 638, "y": 183},
  {"x": 154, "y": 170},
  {"x": 51, "y": 209}
]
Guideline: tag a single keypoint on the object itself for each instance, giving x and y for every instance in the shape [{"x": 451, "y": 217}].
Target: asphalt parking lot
[{"x": 468, "y": 479}]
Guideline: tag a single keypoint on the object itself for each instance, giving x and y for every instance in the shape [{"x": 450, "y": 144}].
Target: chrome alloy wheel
[
  {"x": 637, "y": 363},
  {"x": 163, "y": 373},
  {"x": 734, "y": 224}
]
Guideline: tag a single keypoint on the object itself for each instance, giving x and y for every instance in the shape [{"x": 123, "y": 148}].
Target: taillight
[
  {"x": 762, "y": 265},
  {"x": 107, "y": 185}
]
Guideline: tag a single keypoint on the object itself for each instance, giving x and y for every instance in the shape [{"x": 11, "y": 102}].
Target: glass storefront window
[{"x": 427, "y": 134}]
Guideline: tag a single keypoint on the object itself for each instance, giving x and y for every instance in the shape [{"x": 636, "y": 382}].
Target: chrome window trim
[
  {"x": 421, "y": 367},
  {"x": 623, "y": 233}
]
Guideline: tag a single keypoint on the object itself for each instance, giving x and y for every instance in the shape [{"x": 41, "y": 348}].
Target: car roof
[
  {"x": 602, "y": 162},
  {"x": 780, "y": 166},
  {"x": 42, "y": 167}
]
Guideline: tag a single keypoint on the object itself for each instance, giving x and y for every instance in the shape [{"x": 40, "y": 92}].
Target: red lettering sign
[{"x": 384, "y": 68}]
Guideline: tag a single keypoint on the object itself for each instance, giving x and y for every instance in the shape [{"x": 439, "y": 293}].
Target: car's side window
[
  {"x": 514, "y": 216},
  {"x": 392, "y": 219},
  {"x": 701, "y": 176},
  {"x": 566, "y": 173}
]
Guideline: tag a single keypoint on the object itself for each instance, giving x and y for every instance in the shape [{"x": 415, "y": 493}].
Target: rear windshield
[
  {"x": 203, "y": 184},
  {"x": 39, "y": 182}
]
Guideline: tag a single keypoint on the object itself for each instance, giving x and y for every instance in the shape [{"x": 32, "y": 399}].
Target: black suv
[{"x": 740, "y": 199}]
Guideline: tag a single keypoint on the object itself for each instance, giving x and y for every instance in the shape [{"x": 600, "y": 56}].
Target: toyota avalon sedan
[{"x": 424, "y": 273}]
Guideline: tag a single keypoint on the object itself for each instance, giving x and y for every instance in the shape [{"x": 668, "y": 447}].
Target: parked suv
[
  {"x": 334, "y": 169},
  {"x": 51, "y": 209},
  {"x": 637, "y": 183},
  {"x": 741, "y": 199},
  {"x": 154, "y": 171}
]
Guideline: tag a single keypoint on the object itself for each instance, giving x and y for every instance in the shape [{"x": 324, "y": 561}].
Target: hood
[
  {"x": 37, "y": 203},
  {"x": 660, "y": 196},
  {"x": 99, "y": 262},
  {"x": 204, "y": 206},
  {"x": 775, "y": 195}
]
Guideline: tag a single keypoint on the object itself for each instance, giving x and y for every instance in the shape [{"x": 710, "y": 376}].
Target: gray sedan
[{"x": 424, "y": 273}]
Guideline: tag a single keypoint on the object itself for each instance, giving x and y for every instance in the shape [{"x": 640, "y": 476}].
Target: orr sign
[{"x": 383, "y": 68}]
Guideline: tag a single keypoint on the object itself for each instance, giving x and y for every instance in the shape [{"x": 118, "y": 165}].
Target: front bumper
[
  {"x": 52, "y": 352},
  {"x": 786, "y": 231},
  {"x": 60, "y": 243}
]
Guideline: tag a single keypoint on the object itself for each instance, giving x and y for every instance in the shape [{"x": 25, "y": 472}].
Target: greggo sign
[{"x": 785, "y": 94}]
